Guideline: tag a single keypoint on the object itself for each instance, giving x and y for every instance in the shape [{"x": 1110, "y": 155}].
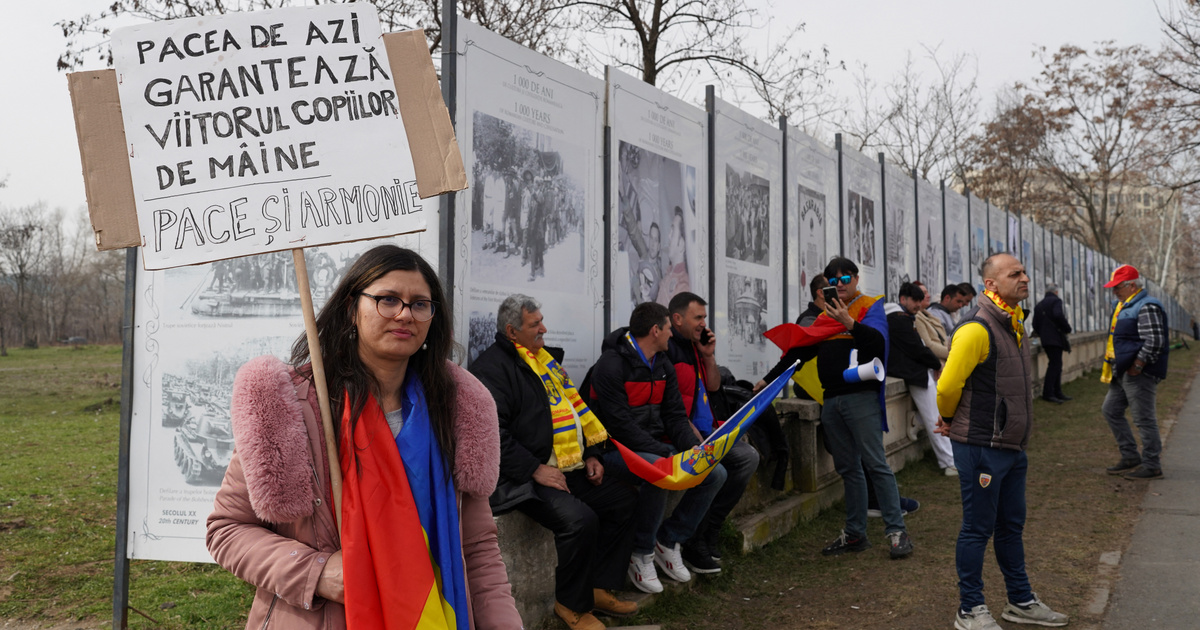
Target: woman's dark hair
[{"x": 344, "y": 371}]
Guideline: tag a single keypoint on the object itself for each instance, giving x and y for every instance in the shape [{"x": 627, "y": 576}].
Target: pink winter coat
[{"x": 272, "y": 524}]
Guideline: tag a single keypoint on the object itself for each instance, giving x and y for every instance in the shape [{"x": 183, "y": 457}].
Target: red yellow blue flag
[{"x": 687, "y": 469}]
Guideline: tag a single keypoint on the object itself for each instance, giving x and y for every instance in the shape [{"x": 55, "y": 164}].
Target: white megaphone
[{"x": 872, "y": 371}]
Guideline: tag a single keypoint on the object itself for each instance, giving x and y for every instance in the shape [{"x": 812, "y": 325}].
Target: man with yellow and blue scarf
[
  {"x": 552, "y": 468},
  {"x": 1135, "y": 360},
  {"x": 985, "y": 397}
]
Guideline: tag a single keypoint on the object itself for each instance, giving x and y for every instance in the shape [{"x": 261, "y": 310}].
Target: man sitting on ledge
[{"x": 551, "y": 466}]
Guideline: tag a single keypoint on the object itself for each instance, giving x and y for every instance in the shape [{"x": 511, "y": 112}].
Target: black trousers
[
  {"x": 593, "y": 534},
  {"x": 1052, "y": 384}
]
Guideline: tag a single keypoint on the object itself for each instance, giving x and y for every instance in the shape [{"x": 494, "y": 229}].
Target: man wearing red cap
[{"x": 1135, "y": 360}]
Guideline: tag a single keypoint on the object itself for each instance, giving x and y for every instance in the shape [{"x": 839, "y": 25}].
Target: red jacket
[{"x": 272, "y": 524}]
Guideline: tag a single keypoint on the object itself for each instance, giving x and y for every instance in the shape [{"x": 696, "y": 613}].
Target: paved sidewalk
[{"x": 1159, "y": 585}]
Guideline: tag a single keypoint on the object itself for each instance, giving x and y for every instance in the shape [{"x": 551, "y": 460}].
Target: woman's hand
[{"x": 330, "y": 585}]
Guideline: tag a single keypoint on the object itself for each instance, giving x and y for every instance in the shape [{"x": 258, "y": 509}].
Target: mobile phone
[
  {"x": 829, "y": 293},
  {"x": 705, "y": 337}
]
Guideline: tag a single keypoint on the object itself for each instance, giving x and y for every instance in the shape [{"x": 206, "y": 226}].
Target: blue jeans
[
  {"x": 996, "y": 511},
  {"x": 652, "y": 506},
  {"x": 851, "y": 424},
  {"x": 1138, "y": 394}
]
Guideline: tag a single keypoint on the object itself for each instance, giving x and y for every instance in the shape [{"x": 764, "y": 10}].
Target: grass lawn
[{"x": 59, "y": 416}]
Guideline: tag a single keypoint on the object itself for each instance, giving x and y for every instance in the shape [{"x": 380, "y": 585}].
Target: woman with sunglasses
[{"x": 419, "y": 455}]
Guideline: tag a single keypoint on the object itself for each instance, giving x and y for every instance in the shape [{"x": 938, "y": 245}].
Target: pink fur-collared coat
[{"x": 272, "y": 524}]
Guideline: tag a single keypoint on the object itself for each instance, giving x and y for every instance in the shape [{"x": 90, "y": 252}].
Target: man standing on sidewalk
[
  {"x": 985, "y": 396},
  {"x": 1052, "y": 326},
  {"x": 1135, "y": 360}
]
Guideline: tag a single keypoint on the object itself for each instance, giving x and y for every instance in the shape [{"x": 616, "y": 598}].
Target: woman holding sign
[{"x": 419, "y": 455}]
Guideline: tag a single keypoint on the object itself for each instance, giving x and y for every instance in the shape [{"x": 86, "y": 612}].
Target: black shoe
[
  {"x": 845, "y": 543},
  {"x": 1144, "y": 473},
  {"x": 1051, "y": 399},
  {"x": 1063, "y": 397},
  {"x": 901, "y": 544},
  {"x": 697, "y": 558},
  {"x": 1123, "y": 466}
]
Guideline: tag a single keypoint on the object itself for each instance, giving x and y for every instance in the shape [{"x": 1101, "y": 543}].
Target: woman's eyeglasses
[
  {"x": 390, "y": 307},
  {"x": 836, "y": 280}
]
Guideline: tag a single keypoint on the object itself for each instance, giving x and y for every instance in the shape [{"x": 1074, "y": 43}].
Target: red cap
[{"x": 1121, "y": 274}]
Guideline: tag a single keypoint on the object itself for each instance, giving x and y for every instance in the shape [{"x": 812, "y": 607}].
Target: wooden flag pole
[{"x": 318, "y": 368}]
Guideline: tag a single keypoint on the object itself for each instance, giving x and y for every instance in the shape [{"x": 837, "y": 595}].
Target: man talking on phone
[{"x": 692, "y": 348}]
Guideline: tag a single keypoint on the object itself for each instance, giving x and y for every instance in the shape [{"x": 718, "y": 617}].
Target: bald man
[{"x": 985, "y": 397}]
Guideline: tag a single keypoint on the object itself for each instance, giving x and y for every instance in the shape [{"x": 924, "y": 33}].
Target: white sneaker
[
  {"x": 642, "y": 574},
  {"x": 1035, "y": 612},
  {"x": 950, "y": 471},
  {"x": 671, "y": 562},
  {"x": 978, "y": 619}
]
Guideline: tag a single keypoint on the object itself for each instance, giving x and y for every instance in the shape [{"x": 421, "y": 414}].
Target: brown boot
[
  {"x": 576, "y": 621},
  {"x": 608, "y": 604}
]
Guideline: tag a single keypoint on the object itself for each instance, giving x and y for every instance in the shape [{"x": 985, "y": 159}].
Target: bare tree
[
  {"x": 22, "y": 253},
  {"x": 670, "y": 43},
  {"x": 1108, "y": 132},
  {"x": 920, "y": 121}
]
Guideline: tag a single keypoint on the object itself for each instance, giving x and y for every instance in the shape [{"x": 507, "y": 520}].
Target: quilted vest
[
  {"x": 1127, "y": 342},
  {"x": 996, "y": 408}
]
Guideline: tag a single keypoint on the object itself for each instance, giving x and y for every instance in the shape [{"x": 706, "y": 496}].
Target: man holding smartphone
[
  {"x": 852, "y": 332},
  {"x": 692, "y": 348}
]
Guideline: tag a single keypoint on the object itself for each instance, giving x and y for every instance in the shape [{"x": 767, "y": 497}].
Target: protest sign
[{"x": 263, "y": 131}]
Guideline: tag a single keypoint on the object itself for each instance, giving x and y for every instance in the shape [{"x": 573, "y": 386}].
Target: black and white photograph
[
  {"x": 196, "y": 390},
  {"x": 482, "y": 331},
  {"x": 747, "y": 310},
  {"x": 861, "y": 228},
  {"x": 811, "y": 233},
  {"x": 527, "y": 206},
  {"x": 253, "y": 286},
  {"x": 656, "y": 211},
  {"x": 957, "y": 236},
  {"x": 900, "y": 236},
  {"x": 747, "y": 216}
]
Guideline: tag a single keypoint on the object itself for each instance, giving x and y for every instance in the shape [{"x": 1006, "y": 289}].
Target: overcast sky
[{"x": 40, "y": 157}]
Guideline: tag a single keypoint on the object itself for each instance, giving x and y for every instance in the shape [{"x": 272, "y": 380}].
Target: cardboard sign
[{"x": 263, "y": 131}]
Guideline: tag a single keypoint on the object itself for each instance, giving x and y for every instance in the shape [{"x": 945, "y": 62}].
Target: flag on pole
[
  {"x": 865, "y": 309},
  {"x": 687, "y": 469}
]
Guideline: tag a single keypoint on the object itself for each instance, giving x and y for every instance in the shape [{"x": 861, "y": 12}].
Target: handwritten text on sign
[{"x": 263, "y": 131}]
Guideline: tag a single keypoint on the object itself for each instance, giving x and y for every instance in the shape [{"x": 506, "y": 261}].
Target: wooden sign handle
[{"x": 318, "y": 368}]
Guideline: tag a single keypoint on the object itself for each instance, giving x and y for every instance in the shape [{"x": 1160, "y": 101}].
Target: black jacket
[
  {"x": 1050, "y": 323},
  {"x": 833, "y": 357},
  {"x": 909, "y": 358},
  {"x": 526, "y": 431},
  {"x": 639, "y": 406}
]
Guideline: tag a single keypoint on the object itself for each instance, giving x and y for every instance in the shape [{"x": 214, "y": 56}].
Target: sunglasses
[{"x": 836, "y": 280}]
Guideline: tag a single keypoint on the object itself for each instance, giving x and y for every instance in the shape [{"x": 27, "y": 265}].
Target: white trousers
[{"x": 925, "y": 399}]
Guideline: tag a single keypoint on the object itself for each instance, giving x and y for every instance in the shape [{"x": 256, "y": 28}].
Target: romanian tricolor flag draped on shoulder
[
  {"x": 864, "y": 309},
  {"x": 689, "y": 468},
  {"x": 402, "y": 554}
]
